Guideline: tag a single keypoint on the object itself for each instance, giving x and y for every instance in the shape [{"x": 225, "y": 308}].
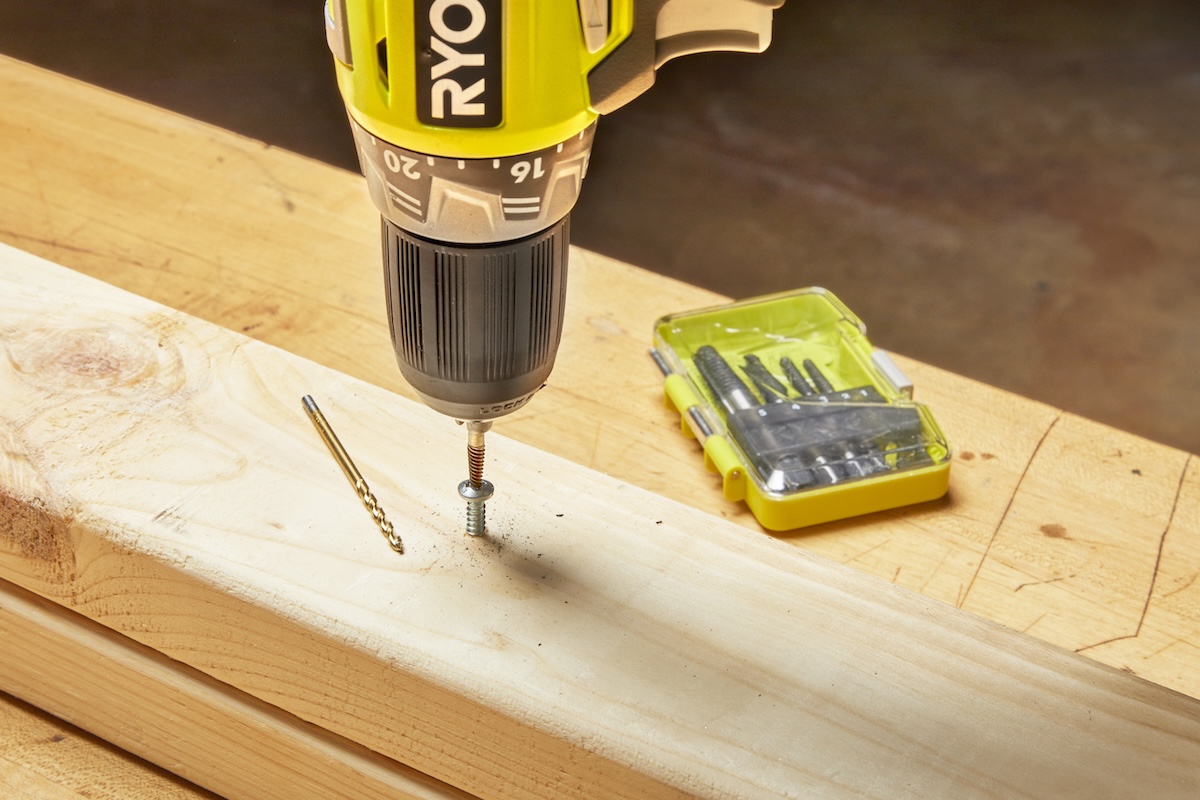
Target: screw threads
[
  {"x": 796, "y": 378},
  {"x": 716, "y": 371},
  {"x": 817, "y": 377},
  {"x": 722, "y": 380},
  {"x": 475, "y": 463},
  {"x": 476, "y": 519}
]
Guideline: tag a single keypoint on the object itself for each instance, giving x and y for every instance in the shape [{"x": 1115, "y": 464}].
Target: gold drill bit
[{"x": 352, "y": 474}]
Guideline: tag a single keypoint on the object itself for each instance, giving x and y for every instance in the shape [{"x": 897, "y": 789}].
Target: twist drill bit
[{"x": 352, "y": 474}]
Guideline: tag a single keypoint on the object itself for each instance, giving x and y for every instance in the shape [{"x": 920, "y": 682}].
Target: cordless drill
[{"x": 473, "y": 121}]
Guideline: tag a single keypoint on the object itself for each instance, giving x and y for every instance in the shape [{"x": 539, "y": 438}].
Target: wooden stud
[{"x": 160, "y": 478}]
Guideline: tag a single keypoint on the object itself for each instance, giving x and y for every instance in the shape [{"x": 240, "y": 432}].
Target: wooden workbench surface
[{"x": 1081, "y": 535}]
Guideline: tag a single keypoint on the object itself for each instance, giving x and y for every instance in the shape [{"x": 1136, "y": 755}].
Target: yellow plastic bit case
[{"x": 804, "y": 419}]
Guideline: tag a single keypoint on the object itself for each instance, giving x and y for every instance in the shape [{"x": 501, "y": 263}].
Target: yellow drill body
[{"x": 473, "y": 121}]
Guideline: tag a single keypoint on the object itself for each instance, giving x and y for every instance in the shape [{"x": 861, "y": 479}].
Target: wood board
[
  {"x": 160, "y": 478},
  {"x": 1052, "y": 521},
  {"x": 180, "y": 718},
  {"x": 48, "y": 759}
]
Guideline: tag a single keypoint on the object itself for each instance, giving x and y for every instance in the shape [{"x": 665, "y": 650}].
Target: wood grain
[
  {"x": 45, "y": 759},
  {"x": 160, "y": 478},
  {"x": 178, "y": 717},
  {"x": 284, "y": 249}
]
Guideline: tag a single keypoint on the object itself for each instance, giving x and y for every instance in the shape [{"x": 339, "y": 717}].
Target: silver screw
[{"x": 476, "y": 497}]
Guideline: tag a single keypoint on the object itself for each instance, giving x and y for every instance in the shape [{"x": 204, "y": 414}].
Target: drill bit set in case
[{"x": 800, "y": 415}]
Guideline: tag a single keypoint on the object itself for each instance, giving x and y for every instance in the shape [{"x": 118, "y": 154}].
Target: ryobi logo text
[{"x": 458, "y": 63}]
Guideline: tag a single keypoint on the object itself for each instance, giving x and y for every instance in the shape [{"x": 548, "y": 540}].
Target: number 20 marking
[
  {"x": 521, "y": 169},
  {"x": 400, "y": 164}
]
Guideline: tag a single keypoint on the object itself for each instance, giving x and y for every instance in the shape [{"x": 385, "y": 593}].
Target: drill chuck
[
  {"x": 475, "y": 259},
  {"x": 476, "y": 327}
]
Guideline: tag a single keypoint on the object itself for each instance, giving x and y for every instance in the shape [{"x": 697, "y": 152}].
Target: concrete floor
[{"x": 1008, "y": 190}]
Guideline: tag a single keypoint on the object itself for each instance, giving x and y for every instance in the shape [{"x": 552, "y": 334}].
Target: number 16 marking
[{"x": 521, "y": 169}]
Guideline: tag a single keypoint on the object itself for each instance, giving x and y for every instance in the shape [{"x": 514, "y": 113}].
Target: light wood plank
[
  {"x": 176, "y": 716},
  {"x": 18, "y": 782},
  {"x": 1103, "y": 549},
  {"x": 1160, "y": 644},
  {"x": 48, "y": 760},
  {"x": 160, "y": 478},
  {"x": 285, "y": 249}
]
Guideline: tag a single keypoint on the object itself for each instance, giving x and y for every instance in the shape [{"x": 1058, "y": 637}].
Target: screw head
[{"x": 476, "y": 495}]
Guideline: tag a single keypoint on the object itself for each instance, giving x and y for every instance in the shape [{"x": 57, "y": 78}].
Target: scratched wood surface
[
  {"x": 158, "y": 476},
  {"x": 1080, "y": 534}
]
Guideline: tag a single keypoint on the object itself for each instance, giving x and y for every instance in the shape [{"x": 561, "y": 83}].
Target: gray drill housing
[{"x": 475, "y": 258}]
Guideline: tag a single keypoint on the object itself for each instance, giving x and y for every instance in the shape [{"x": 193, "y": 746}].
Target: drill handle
[{"x": 667, "y": 29}]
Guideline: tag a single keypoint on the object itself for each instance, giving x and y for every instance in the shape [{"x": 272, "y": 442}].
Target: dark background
[{"x": 1010, "y": 190}]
